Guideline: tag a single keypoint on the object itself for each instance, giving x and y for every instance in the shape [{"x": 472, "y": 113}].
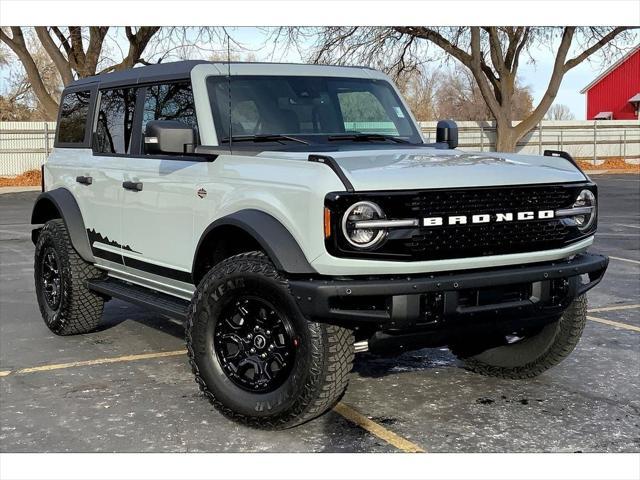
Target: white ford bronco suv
[{"x": 292, "y": 215}]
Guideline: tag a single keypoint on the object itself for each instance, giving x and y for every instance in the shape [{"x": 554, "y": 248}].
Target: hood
[{"x": 422, "y": 168}]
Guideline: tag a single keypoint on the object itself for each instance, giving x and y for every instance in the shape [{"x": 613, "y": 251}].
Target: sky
[{"x": 535, "y": 75}]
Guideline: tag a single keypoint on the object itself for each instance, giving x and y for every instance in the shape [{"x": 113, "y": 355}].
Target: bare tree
[
  {"x": 492, "y": 55},
  {"x": 66, "y": 49},
  {"x": 458, "y": 97},
  {"x": 559, "y": 111},
  {"x": 20, "y": 91},
  {"x": 419, "y": 88},
  {"x": 78, "y": 52}
]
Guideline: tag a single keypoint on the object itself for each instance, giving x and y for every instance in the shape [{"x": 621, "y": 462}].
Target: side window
[
  {"x": 171, "y": 101},
  {"x": 362, "y": 111},
  {"x": 115, "y": 121},
  {"x": 74, "y": 109}
]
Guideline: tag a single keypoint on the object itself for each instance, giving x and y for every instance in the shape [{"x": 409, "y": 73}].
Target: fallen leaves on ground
[{"x": 27, "y": 179}]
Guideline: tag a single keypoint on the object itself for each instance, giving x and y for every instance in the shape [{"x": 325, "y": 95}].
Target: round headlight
[
  {"x": 586, "y": 199},
  {"x": 362, "y": 237}
]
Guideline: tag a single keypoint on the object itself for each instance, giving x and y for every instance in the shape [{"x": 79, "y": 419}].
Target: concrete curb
[{"x": 18, "y": 189}]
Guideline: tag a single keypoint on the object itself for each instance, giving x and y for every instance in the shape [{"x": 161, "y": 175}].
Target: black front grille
[
  {"x": 469, "y": 240},
  {"x": 490, "y": 239}
]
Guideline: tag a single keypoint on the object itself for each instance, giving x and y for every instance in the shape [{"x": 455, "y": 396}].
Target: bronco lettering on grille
[{"x": 487, "y": 218}]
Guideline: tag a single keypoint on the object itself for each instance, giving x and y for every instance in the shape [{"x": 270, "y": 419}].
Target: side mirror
[
  {"x": 447, "y": 132},
  {"x": 168, "y": 136}
]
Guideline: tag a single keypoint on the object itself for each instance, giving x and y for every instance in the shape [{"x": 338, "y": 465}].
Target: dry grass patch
[
  {"x": 614, "y": 165},
  {"x": 29, "y": 178}
]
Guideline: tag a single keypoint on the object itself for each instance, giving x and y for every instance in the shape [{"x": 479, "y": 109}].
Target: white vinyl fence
[
  {"x": 584, "y": 140},
  {"x": 25, "y": 145}
]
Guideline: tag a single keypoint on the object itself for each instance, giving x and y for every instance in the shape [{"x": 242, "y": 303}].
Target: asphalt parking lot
[{"x": 128, "y": 388}]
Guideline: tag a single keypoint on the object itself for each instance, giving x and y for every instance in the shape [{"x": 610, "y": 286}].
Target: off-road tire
[
  {"x": 323, "y": 360},
  {"x": 534, "y": 355},
  {"x": 79, "y": 309}
]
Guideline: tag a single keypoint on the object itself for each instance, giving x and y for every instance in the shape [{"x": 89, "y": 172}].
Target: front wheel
[
  {"x": 256, "y": 358},
  {"x": 533, "y": 354}
]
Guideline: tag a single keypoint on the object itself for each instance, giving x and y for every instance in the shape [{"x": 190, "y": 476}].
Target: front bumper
[{"x": 403, "y": 303}]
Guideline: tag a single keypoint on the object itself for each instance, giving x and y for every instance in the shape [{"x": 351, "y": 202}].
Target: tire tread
[
  {"x": 82, "y": 308},
  {"x": 329, "y": 369}
]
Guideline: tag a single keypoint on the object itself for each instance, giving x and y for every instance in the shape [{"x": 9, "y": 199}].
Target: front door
[{"x": 158, "y": 212}]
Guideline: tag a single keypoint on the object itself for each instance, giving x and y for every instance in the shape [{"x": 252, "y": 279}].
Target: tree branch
[
  {"x": 552, "y": 88},
  {"x": 64, "y": 42},
  {"x": 137, "y": 43},
  {"x": 439, "y": 40},
  {"x": 514, "y": 37},
  {"x": 521, "y": 45},
  {"x": 594, "y": 48},
  {"x": 61, "y": 63},
  {"x": 495, "y": 51},
  {"x": 478, "y": 74},
  {"x": 96, "y": 39}
]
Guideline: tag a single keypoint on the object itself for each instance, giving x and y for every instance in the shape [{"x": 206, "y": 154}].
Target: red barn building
[{"x": 615, "y": 94}]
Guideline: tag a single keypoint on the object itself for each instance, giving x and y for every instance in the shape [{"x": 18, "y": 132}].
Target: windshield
[{"x": 319, "y": 109}]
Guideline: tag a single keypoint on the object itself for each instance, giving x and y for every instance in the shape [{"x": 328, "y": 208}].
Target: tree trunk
[{"x": 506, "y": 138}]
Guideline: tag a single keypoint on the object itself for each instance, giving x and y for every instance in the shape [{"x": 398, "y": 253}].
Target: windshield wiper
[
  {"x": 363, "y": 137},
  {"x": 264, "y": 138}
]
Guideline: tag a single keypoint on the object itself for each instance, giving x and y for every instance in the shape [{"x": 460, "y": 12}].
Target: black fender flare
[
  {"x": 67, "y": 207},
  {"x": 271, "y": 235}
]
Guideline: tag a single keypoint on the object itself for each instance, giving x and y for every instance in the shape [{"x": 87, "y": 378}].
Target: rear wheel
[
  {"x": 68, "y": 307},
  {"x": 532, "y": 354},
  {"x": 256, "y": 358}
]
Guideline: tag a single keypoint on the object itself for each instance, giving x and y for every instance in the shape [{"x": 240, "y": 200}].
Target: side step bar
[{"x": 160, "y": 302}]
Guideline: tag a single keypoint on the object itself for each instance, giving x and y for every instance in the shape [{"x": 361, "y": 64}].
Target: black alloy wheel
[
  {"x": 255, "y": 344},
  {"x": 51, "y": 278}
]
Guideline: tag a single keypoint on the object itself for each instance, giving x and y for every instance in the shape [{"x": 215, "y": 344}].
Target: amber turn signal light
[{"x": 327, "y": 222}]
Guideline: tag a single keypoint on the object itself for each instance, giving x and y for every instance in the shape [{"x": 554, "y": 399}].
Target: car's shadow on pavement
[
  {"x": 374, "y": 366},
  {"x": 117, "y": 312},
  {"x": 365, "y": 365}
]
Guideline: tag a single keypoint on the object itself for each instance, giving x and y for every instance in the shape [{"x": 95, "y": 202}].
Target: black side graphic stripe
[
  {"x": 97, "y": 237},
  {"x": 106, "y": 255},
  {"x": 166, "y": 272}
]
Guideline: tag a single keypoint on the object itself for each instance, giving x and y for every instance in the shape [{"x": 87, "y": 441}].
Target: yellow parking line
[
  {"x": 98, "y": 361},
  {"x": 376, "y": 429},
  {"x": 626, "y": 326},
  {"x": 614, "y": 307},
  {"x": 624, "y": 259}
]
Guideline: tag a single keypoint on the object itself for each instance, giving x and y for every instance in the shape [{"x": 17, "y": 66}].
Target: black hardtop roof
[
  {"x": 160, "y": 71},
  {"x": 154, "y": 73}
]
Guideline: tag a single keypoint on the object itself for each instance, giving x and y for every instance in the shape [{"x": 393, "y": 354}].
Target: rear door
[
  {"x": 157, "y": 220},
  {"x": 102, "y": 195}
]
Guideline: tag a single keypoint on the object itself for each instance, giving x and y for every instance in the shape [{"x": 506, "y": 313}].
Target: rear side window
[
  {"x": 74, "y": 109},
  {"x": 171, "y": 101},
  {"x": 114, "y": 126}
]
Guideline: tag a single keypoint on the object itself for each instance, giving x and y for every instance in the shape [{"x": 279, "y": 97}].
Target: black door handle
[
  {"x": 135, "y": 186},
  {"x": 84, "y": 180}
]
